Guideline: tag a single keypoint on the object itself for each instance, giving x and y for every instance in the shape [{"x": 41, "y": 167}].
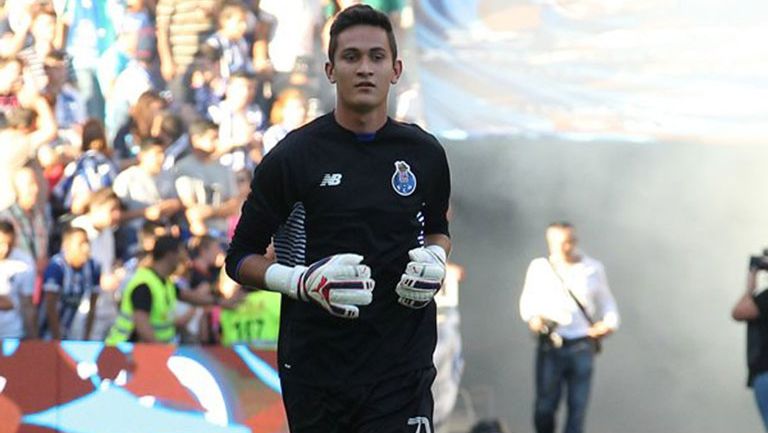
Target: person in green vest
[
  {"x": 147, "y": 308},
  {"x": 256, "y": 321}
]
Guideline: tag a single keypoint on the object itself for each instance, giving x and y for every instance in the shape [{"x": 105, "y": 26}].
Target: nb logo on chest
[{"x": 331, "y": 179}]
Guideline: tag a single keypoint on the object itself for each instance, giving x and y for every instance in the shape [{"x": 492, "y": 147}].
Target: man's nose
[{"x": 365, "y": 67}]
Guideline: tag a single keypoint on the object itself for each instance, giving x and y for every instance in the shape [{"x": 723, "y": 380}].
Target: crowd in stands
[{"x": 126, "y": 121}]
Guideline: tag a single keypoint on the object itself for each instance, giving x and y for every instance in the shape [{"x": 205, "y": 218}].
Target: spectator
[
  {"x": 29, "y": 218},
  {"x": 135, "y": 38},
  {"x": 288, "y": 113},
  {"x": 100, "y": 222},
  {"x": 17, "y": 280},
  {"x": 10, "y": 83},
  {"x": 240, "y": 124},
  {"x": 206, "y": 187},
  {"x": 14, "y": 27},
  {"x": 170, "y": 129},
  {"x": 145, "y": 190},
  {"x": 255, "y": 322},
  {"x": 139, "y": 126},
  {"x": 138, "y": 77},
  {"x": 207, "y": 84},
  {"x": 71, "y": 278},
  {"x": 68, "y": 104},
  {"x": 42, "y": 34},
  {"x": 146, "y": 310},
  {"x": 26, "y": 130},
  {"x": 91, "y": 171},
  {"x": 230, "y": 39},
  {"x": 207, "y": 258},
  {"x": 88, "y": 29},
  {"x": 181, "y": 26},
  {"x": 260, "y": 30}
]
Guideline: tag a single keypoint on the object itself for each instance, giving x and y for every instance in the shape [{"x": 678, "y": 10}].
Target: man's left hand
[
  {"x": 599, "y": 330},
  {"x": 423, "y": 276}
]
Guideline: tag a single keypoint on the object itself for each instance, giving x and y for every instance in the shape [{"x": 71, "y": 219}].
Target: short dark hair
[
  {"x": 172, "y": 125},
  {"x": 165, "y": 245},
  {"x": 198, "y": 244},
  {"x": 228, "y": 9},
  {"x": 560, "y": 225},
  {"x": 70, "y": 231},
  {"x": 200, "y": 127},
  {"x": 7, "y": 228},
  {"x": 19, "y": 118},
  {"x": 359, "y": 15},
  {"x": 150, "y": 142},
  {"x": 101, "y": 197}
]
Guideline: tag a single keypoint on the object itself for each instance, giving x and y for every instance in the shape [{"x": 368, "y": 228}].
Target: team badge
[{"x": 403, "y": 181}]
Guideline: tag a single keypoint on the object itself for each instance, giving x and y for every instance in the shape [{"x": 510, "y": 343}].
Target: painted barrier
[{"x": 87, "y": 387}]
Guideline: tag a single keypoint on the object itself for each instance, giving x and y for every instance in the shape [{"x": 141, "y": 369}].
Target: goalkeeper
[{"x": 356, "y": 203}]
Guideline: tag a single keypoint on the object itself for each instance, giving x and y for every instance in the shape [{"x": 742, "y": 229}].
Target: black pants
[{"x": 401, "y": 404}]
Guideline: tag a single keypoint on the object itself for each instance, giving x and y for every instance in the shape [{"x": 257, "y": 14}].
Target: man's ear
[
  {"x": 329, "y": 72},
  {"x": 398, "y": 69}
]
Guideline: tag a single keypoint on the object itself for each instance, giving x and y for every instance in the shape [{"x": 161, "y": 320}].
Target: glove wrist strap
[
  {"x": 283, "y": 279},
  {"x": 439, "y": 252}
]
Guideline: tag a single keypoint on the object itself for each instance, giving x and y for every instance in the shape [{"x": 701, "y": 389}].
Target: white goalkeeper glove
[
  {"x": 338, "y": 284},
  {"x": 423, "y": 276}
]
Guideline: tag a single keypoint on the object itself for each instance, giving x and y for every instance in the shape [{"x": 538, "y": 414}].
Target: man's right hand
[
  {"x": 536, "y": 324},
  {"x": 339, "y": 284}
]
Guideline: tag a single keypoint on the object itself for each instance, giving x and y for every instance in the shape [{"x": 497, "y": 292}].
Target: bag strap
[{"x": 573, "y": 296}]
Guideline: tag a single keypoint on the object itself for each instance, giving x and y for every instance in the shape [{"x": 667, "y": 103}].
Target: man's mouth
[{"x": 365, "y": 84}]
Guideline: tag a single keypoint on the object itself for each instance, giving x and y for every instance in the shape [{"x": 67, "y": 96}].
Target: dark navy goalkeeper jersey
[{"x": 325, "y": 190}]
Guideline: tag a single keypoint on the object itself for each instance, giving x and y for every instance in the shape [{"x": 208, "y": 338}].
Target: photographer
[
  {"x": 566, "y": 301},
  {"x": 752, "y": 308}
]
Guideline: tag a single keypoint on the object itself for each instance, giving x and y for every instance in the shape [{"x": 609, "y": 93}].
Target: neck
[
  {"x": 361, "y": 123},
  {"x": 565, "y": 259},
  {"x": 161, "y": 269}
]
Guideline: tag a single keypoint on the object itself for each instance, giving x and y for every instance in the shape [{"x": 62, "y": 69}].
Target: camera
[
  {"x": 547, "y": 333},
  {"x": 759, "y": 262}
]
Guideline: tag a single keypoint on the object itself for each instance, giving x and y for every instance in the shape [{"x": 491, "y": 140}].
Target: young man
[
  {"x": 357, "y": 197},
  {"x": 567, "y": 303},
  {"x": 149, "y": 301},
  {"x": 145, "y": 190},
  {"x": 71, "y": 276},
  {"x": 206, "y": 188},
  {"x": 17, "y": 281}
]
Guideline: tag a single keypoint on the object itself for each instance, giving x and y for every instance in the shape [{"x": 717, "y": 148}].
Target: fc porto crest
[{"x": 403, "y": 181}]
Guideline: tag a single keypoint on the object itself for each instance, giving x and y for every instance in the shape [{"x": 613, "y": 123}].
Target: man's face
[
  {"x": 363, "y": 68},
  {"x": 77, "y": 250},
  {"x": 234, "y": 26},
  {"x": 6, "y": 245},
  {"x": 27, "y": 189},
  {"x": 43, "y": 28},
  {"x": 240, "y": 92},
  {"x": 106, "y": 214},
  {"x": 152, "y": 159},
  {"x": 561, "y": 242},
  {"x": 206, "y": 142}
]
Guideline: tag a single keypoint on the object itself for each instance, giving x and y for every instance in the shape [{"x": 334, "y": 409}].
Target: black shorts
[{"x": 401, "y": 404}]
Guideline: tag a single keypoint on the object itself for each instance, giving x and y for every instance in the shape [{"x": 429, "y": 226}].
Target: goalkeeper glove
[
  {"x": 423, "y": 276},
  {"x": 338, "y": 284}
]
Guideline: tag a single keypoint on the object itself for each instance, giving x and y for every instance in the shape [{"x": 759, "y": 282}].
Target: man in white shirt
[
  {"x": 17, "y": 280},
  {"x": 567, "y": 302}
]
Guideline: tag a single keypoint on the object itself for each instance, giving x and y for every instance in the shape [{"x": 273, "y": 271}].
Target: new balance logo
[
  {"x": 420, "y": 421},
  {"x": 331, "y": 179}
]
